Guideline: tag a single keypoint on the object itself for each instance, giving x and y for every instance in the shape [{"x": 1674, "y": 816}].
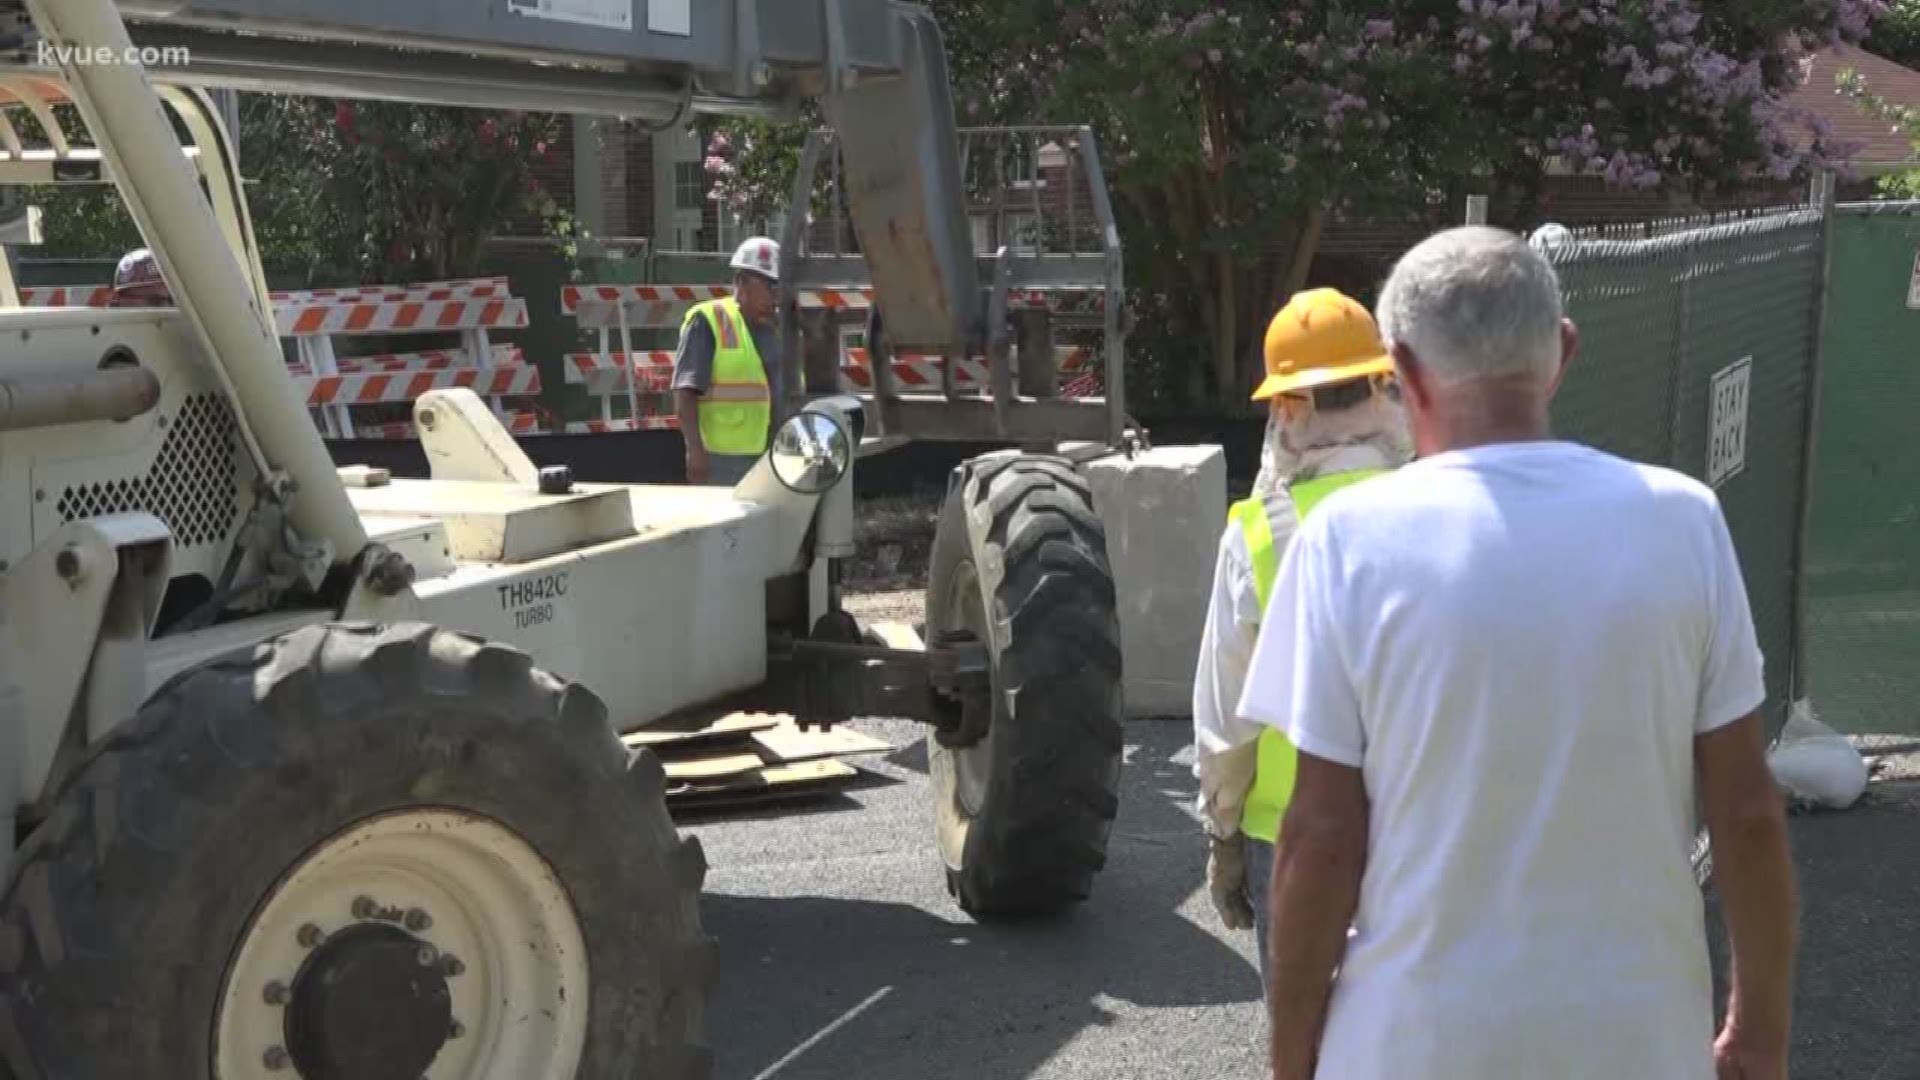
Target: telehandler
[{"x": 315, "y": 771}]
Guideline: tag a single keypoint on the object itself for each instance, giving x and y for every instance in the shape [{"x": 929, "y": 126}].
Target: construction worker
[
  {"x": 137, "y": 282},
  {"x": 726, "y": 375},
  {"x": 1332, "y": 421}
]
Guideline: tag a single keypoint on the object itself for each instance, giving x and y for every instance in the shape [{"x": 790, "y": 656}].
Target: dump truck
[{"x": 312, "y": 771}]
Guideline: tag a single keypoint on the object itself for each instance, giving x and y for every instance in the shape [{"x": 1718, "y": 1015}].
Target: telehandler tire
[
  {"x": 1019, "y": 563},
  {"x": 354, "y": 852}
]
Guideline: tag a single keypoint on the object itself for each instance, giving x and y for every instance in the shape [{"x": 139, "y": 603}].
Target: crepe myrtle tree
[{"x": 1234, "y": 131}]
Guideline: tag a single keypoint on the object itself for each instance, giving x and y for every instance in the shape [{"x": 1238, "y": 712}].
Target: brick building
[{"x": 628, "y": 182}]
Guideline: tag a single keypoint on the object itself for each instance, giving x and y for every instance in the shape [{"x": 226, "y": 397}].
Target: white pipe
[
  {"x": 163, "y": 195},
  {"x": 46, "y": 400}
]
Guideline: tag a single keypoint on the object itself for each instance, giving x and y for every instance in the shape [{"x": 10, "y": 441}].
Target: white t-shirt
[{"x": 1516, "y": 645}]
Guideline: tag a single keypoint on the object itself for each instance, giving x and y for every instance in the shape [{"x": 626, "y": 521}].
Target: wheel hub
[
  {"x": 420, "y": 942},
  {"x": 372, "y": 1003}
]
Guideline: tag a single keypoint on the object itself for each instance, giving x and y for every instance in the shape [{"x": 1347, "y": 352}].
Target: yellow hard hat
[{"x": 1320, "y": 338}]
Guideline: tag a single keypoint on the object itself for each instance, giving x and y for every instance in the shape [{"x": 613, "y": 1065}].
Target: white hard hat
[
  {"x": 1550, "y": 236},
  {"x": 759, "y": 255}
]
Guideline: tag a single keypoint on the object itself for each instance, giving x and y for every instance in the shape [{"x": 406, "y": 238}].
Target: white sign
[
  {"x": 1913, "y": 285},
  {"x": 1727, "y": 429},
  {"x": 617, "y": 14},
  {"x": 670, "y": 17}
]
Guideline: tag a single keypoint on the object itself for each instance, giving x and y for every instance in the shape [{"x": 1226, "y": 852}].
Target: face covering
[{"x": 1304, "y": 441}]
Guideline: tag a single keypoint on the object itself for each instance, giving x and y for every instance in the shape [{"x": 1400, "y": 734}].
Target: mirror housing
[{"x": 810, "y": 452}]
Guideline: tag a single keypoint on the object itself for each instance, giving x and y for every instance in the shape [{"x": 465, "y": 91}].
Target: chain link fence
[
  {"x": 1863, "y": 557},
  {"x": 1698, "y": 346}
]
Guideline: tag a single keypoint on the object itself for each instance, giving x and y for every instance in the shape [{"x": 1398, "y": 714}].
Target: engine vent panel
[{"x": 193, "y": 484}]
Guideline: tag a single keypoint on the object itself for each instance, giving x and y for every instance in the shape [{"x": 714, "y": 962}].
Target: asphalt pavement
[
  {"x": 842, "y": 958},
  {"x": 841, "y": 955}
]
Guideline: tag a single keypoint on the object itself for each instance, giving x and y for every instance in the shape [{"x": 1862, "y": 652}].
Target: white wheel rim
[
  {"x": 960, "y": 787},
  {"x": 520, "y": 995},
  {"x": 960, "y": 776}
]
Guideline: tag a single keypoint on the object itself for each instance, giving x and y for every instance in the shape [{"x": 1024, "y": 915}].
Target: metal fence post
[
  {"x": 1799, "y": 679},
  {"x": 1682, "y": 352}
]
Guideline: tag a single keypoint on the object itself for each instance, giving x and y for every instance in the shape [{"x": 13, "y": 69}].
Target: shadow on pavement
[{"x": 816, "y": 988}]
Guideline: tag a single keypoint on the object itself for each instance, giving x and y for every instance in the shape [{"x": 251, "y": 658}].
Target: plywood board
[
  {"x": 717, "y": 765},
  {"x": 735, "y": 728},
  {"x": 766, "y": 785},
  {"x": 803, "y": 772},
  {"x": 788, "y": 743}
]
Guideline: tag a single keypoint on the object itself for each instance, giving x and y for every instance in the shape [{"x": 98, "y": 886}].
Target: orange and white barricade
[
  {"x": 312, "y": 318},
  {"x": 470, "y": 308}
]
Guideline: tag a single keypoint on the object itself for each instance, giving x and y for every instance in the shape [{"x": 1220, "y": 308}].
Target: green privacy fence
[
  {"x": 1863, "y": 558},
  {"x": 1698, "y": 346}
]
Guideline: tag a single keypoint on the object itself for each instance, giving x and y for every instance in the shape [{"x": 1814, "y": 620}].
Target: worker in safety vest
[
  {"x": 1334, "y": 419},
  {"x": 726, "y": 375}
]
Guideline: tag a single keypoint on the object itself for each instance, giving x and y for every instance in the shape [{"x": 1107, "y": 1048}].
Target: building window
[
  {"x": 1019, "y": 231},
  {"x": 689, "y": 185}
]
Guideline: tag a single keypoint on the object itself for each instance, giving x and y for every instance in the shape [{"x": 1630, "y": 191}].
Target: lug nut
[
  {"x": 428, "y": 955},
  {"x": 456, "y": 1029},
  {"x": 418, "y": 920},
  {"x": 453, "y": 967},
  {"x": 310, "y": 936},
  {"x": 275, "y": 1058},
  {"x": 364, "y": 907},
  {"x": 276, "y": 993}
]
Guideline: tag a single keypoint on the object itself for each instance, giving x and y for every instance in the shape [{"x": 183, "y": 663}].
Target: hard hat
[
  {"x": 1550, "y": 236},
  {"x": 137, "y": 278},
  {"x": 1320, "y": 338},
  {"x": 759, "y": 255},
  {"x": 136, "y": 268}
]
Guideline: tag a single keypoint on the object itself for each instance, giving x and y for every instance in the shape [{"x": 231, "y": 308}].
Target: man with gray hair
[{"x": 1509, "y": 668}]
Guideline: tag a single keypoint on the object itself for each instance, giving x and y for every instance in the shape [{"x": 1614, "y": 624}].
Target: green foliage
[
  {"x": 1897, "y": 35},
  {"x": 343, "y": 192}
]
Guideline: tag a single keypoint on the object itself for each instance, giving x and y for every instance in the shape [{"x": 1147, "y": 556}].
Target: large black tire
[
  {"x": 130, "y": 901},
  {"x": 1020, "y": 563}
]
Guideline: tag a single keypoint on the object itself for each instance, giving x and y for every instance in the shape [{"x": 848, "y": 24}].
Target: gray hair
[{"x": 1472, "y": 303}]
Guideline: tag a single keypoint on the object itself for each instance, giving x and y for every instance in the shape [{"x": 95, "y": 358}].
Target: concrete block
[{"x": 1163, "y": 510}]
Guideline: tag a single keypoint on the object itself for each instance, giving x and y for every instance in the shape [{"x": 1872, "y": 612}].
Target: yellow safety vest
[
  {"x": 737, "y": 409},
  {"x": 1273, "y": 773}
]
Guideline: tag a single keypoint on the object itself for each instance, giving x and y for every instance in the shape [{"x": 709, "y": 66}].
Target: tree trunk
[{"x": 1226, "y": 327}]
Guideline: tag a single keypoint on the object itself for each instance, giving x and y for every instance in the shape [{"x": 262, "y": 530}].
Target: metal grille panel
[{"x": 193, "y": 484}]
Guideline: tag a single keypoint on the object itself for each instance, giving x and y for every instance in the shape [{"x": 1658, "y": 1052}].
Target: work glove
[{"x": 1227, "y": 880}]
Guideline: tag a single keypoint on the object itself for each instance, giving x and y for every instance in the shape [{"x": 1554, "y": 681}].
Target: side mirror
[{"x": 810, "y": 452}]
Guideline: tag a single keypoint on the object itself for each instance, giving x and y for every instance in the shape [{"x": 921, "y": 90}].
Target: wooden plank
[
  {"x": 898, "y": 635},
  {"x": 766, "y": 785},
  {"x": 735, "y": 728},
  {"x": 716, "y": 765},
  {"x": 788, "y": 743}
]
